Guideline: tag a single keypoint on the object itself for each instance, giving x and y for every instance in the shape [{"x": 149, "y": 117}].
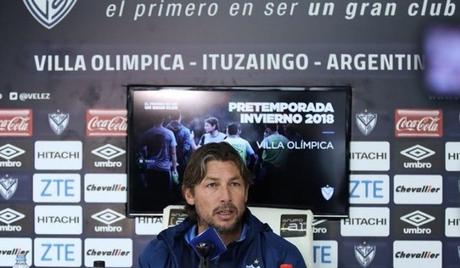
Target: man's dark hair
[
  {"x": 196, "y": 168},
  {"x": 233, "y": 128},
  {"x": 213, "y": 121},
  {"x": 273, "y": 127}
]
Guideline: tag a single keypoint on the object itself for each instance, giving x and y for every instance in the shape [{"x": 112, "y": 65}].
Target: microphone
[
  {"x": 208, "y": 245},
  {"x": 204, "y": 249}
]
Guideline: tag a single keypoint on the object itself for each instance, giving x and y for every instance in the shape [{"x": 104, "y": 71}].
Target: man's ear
[{"x": 188, "y": 195}]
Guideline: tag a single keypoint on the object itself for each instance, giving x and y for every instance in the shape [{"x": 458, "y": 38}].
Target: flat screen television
[
  {"x": 441, "y": 49},
  {"x": 294, "y": 140}
]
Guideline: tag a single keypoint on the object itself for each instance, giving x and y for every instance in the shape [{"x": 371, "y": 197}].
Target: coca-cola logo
[
  {"x": 106, "y": 123},
  {"x": 15, "y": 123},
  {"x": 418, "y": 123}
]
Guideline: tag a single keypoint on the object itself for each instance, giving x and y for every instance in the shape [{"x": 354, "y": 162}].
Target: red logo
[
  {"x": 102, "y": 123},
  {"x": 16, "y": 123},
  {"x": 418, "y": 123}
]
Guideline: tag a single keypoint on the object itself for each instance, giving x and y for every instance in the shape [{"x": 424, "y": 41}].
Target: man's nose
[{"x": 225, "y": 194}]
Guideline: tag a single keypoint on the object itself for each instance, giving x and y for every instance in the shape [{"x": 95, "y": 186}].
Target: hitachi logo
[
  {"x": 369, "y": 156},
  {"x": 365, "y": 221},
  {"x": 58, "y": 155},
  {"x": 453, "y": 156},
  {"x": 423, "y": 255},
  {"x": 453, "y": 222},
  {"x": 422, "y": 189},
  {"x": 149, "y": 220},
  {"x": 56, "y": 219}
]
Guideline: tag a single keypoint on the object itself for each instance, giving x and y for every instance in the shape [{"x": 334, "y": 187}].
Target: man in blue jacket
[{"x": 215, "y": 188}]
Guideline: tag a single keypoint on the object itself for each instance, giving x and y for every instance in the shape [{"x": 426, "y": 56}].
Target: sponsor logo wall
[{"x": 63, "y": 123}]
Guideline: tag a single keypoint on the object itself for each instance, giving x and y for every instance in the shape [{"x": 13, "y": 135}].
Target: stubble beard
[{"x": 224, "y": 229}]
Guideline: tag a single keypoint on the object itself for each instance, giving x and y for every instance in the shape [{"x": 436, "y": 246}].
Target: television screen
[
  {"x": 441, "y": 48},
  {"x": 294, "y": 140}
]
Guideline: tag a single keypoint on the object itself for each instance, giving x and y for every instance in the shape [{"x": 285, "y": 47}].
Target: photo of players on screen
[{"x": 293, "y": 140}]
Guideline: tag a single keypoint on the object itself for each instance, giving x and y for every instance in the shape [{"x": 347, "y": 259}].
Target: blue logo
[
  {"x": 327, "y": 192},
  {"x": 49, "y": 12}
]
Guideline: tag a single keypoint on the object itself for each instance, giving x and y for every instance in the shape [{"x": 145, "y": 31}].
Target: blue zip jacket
[{"x": 261, "y": 248}]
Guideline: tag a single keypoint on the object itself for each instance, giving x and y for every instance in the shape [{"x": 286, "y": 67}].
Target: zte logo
[
  {"x": 108, "y": 217},
  {"x": 57, "y": 252},
  {"x": 325, "y": 253},
  {"x": 56, "y": 188},
  {"x": 49, "y": 12},
  {"x": 369, "y": 189}
]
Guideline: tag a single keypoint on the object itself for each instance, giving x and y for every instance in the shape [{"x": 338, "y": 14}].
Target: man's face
[{"x": 220, "y": 198}]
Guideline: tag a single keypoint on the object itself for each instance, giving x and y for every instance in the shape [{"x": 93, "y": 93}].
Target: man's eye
[
  {"x": 211, "y": 185},
  {"x": 235, "y": 184}
]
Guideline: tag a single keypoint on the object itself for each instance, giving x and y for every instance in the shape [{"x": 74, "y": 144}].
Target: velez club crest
[
  {"x": 327, "y": 192},
  {"x": 8, "y": 186},
  {"x": 58, "y": 121},
  {"x": 49, "y": 12},
  {"x": 365, "y": 254},
  {"x": 366, "y": 122}
]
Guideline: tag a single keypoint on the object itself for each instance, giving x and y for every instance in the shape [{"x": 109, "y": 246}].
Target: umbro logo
[
  {"x": 9, "y": 151},
  {"x": 108, "y": 151},
  {"x": 49, "y": 12},
  {"x": 417, "y": 218},
  {"x": 108, "y": 216},
  {"x": 417, "y": 152},
  {"x": 9, "y": 216}
]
